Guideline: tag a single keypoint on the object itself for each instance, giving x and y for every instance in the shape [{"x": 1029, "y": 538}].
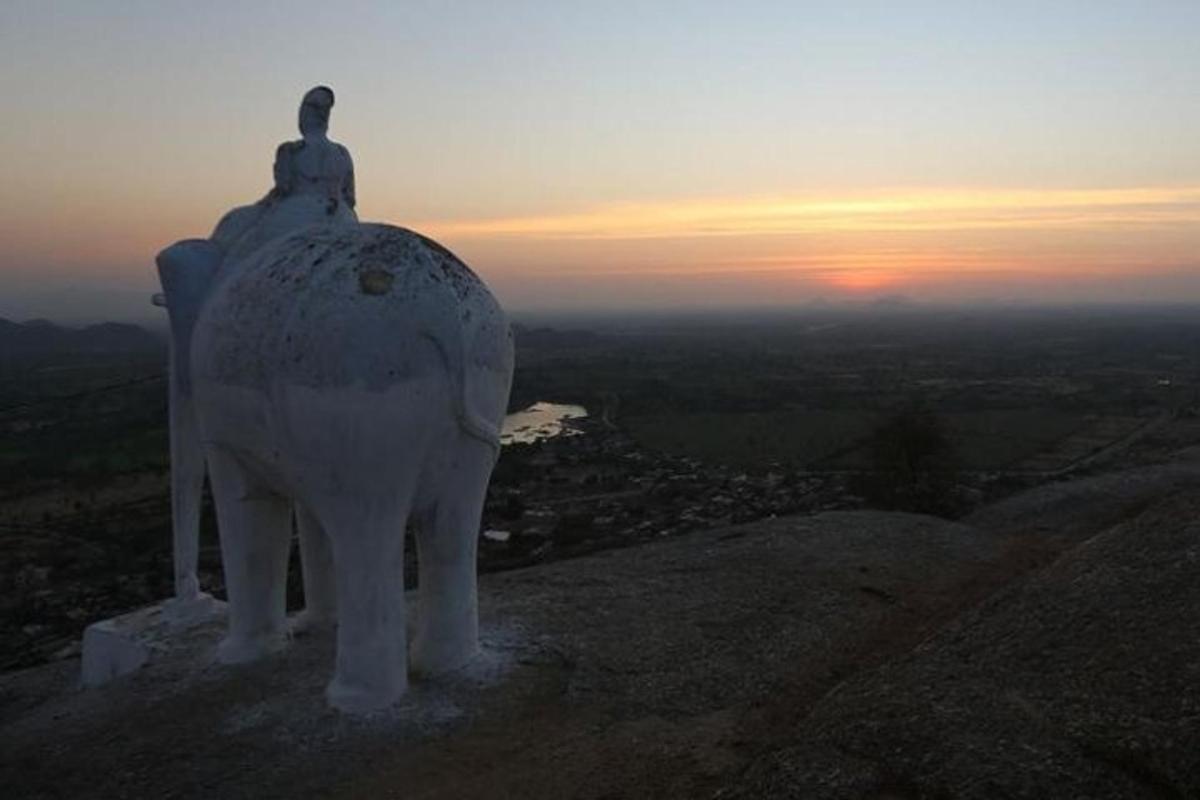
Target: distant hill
[
  {"x": 40, "y": 337},
  {"x": 893, "y": 301},
  {"x": 551, "y": 338}
]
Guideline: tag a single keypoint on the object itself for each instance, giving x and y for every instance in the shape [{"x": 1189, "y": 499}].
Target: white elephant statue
[{"x": 358, "y": 374}]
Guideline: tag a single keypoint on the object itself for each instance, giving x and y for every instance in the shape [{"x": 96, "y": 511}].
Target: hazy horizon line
[{"x": 885, "y": 304}]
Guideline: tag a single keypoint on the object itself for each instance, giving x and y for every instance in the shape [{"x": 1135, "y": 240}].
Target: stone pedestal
[{"x": 118, "y": 646}]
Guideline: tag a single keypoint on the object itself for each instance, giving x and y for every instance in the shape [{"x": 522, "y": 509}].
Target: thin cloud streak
[
  {"x": 902, "y": 263},
  {"x": 882, "y": 212}
]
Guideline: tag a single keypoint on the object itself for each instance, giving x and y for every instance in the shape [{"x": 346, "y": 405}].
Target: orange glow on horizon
[
  {"x": 855, "y": 243},
  {"x": 862, "y": 281},
  {"x": 881, "y": 211},
  {"x": 935, "y": 242}
]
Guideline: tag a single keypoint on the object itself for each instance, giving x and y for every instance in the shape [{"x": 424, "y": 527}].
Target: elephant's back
[{"x": 367, "y": 306}]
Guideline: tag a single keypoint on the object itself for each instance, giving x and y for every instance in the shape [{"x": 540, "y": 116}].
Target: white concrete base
[{"x": 118, "y": 646}]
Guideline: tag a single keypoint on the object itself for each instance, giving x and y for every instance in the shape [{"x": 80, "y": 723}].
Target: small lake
[{"x": 540, "y": 421}]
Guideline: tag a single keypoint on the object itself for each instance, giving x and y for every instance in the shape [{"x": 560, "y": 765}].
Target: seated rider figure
[{"x": 314, "y": 183}]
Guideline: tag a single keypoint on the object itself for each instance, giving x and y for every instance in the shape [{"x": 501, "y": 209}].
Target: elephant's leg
[
  {"x": 255, "y": 530},
  {"x": 447, "y": 634},
  {"x": 316, "y": 562},
  {"x": 368, "y": 552}
]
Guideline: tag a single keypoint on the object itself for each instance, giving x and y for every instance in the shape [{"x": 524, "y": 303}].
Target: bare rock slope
[
  {"x": 1082, "y": 680},
  {"x": 1047, "y": 648}
]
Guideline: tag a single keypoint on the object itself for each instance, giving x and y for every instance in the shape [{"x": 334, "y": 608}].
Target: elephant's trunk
[{"x": 186, "y": 271}]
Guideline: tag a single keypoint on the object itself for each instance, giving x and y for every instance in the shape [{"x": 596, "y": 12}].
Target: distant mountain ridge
[{"x": 39, "y": 336}]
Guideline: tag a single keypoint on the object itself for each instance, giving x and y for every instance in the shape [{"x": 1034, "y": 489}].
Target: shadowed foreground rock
[
  {"x": 841, "y": 655},
  {"x": 1081, "y": 681}
]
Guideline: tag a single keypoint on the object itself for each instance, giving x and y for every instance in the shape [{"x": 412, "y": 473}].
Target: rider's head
[{"x": 314, "y": 110}]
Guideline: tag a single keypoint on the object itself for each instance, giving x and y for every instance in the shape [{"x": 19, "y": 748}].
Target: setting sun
[{"x": 864, "y": 280}]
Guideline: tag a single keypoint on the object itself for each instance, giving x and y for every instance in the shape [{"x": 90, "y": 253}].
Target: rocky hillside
[{"x": 1045, "y": 648}]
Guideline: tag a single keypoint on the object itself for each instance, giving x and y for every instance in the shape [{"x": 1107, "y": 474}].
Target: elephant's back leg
[
  {"x": 316, "y": 564},
  {"x": 447, "y": 633},
  {"x": 255, "y": 527},
  {"x": 366, "y": 534}
]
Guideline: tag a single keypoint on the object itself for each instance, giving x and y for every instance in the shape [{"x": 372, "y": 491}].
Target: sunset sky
[{"x": 626, "y": 155}]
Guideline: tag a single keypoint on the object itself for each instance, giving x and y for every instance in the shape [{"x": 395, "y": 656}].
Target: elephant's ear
[
  {"x": 186, "y": 270},
  {"x": 487, "y": 379},
  {"x": 473, "y": 337},
  {"x": 443, "y": 325}
]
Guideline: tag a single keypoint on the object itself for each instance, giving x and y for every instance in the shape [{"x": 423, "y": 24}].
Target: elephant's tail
[{"x": 477, "y": 427}]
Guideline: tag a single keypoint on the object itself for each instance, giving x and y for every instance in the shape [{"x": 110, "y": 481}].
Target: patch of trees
[{"x": 913, "y": 466}]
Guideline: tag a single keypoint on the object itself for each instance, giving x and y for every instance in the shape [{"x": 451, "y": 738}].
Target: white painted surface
[
  {"x": 356, "y": 374},
  {"x": 361, "y": 373},
  {"x": 121, "y": 645},
  {"x": 314, "y": 184}
]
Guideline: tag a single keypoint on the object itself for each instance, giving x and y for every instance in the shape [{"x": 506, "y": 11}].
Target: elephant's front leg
[
  {"x": 447, "y": 634},
  {"x": 368, "y": 551},
  {"x": 255, "y": 530}
]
